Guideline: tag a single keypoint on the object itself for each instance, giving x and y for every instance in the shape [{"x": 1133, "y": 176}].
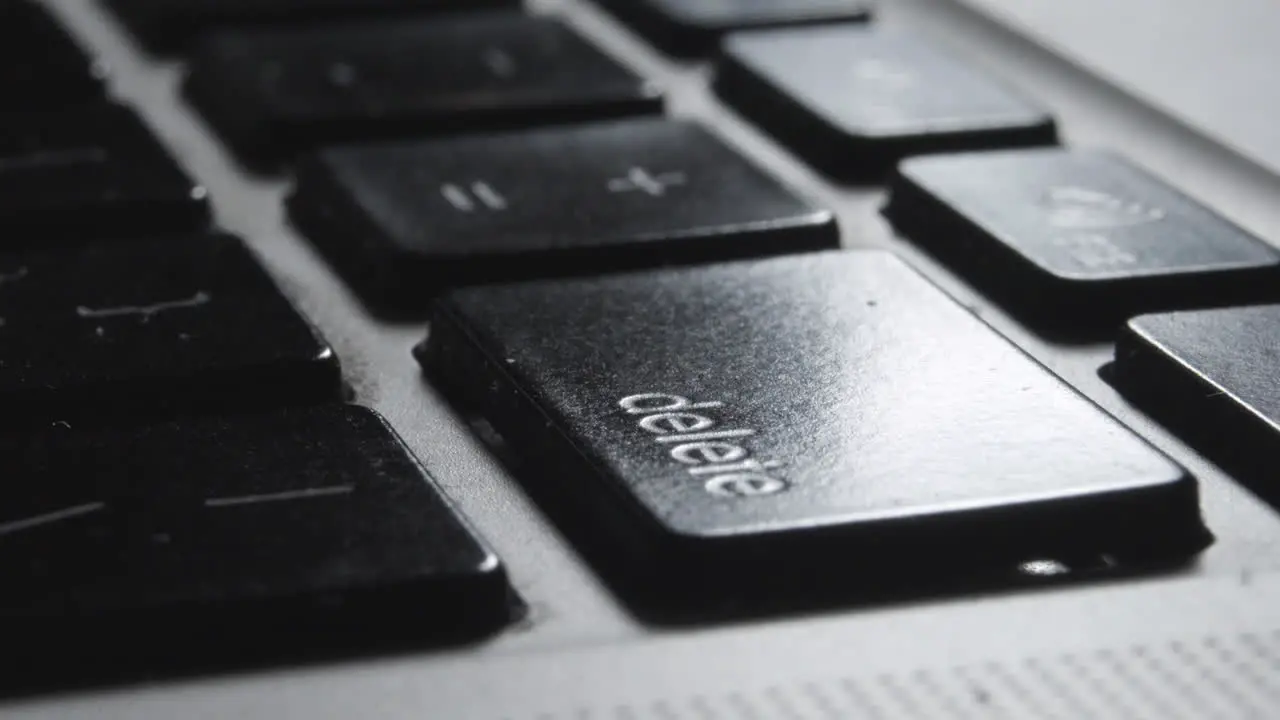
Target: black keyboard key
[
  {"x": 694, "y": 27},
  {"x": 853, "y": 100},
  {"x": 405, "y": 220},
  {"x": 41, "y": 67},
  {"x": 169, "y": 24},
  {"x": 274, "y": 93},
  {"x": 307, "y": 526},
  {"x": 760, "y": 428},
  {"x": 74, "y": 176},
  {"x": 1077, "y": 240},
  {"x": 164, "y": 325},
  {"x": 1212, "y": 376}
]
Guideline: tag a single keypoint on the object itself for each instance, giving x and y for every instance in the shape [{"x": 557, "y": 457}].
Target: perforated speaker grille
[{"x": 1212, "y": 678}]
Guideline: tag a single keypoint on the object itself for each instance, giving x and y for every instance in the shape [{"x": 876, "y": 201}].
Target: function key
[
  {"x": 1213, "y": 376},
  {"x": 72, "y": 176},
  {"x": 1077, "y": 240},
  {"x": 166, "y": 25},
  {"x": 694, "y": 27},
  {"x": 164, "y": 325},
  {"x": 40, "y": 65},
  {"x": 405, "y": 220},
  {"x": 853, "y": 100},
  {"x": 274, "y": 93},
  {"x": 233, "y": 538},
  {"x": 776, "y": 430}
]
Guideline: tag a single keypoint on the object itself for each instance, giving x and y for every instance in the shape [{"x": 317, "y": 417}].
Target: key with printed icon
[
  {"x": 161, "y": 326},
  {"x": 258, "y": 535},
  {"x": 405, "y": 220},
  {"x": 694, "y": 27},
  {"x": 852, "y": 100},
  {"x": 751, "y": 431},
  {"x": 1075, "y": 240},
  {"x": 273, "y": 93}
]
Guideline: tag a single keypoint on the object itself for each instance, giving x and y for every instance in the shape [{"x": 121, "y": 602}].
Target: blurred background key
[
  {"x": 166, "y": 25},
  {"x": 40, "y": 65}
]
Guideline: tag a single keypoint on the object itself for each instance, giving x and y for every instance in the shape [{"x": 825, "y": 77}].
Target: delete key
[{"x": 821, "y": 426}]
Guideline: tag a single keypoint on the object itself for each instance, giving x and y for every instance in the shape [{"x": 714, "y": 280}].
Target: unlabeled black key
[
  {"x": 1077, "y": 240},
  {"x": 164, "y": 325},
  {"x": 854, "y": 99},
  {"x": 268, "y": 534},
  {"x": 275, "y": 92},
  {"x": 694, "y": 27},
  {"x": 169, "y": 24},
  {"x": 776, "y": 428},
  {"x": 1213, "y": 376},
  {"x": 83, "y": 175},
  {"x": 402, "y": 221},
  {"x": 40, "y": 65}
]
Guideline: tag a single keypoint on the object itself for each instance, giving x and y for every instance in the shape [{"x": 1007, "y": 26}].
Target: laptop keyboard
[{"x": 711, "y": 438}]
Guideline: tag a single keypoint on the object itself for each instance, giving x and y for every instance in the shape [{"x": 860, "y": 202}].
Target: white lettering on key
[
  {"x": 888, "y": 75},
  {"x": 469, "y": 200},
  {"x": 640, "y": 179},
  {"x": 1077, "y": 208},
  {"x": 57, "y": 516},
  {"x": 146, "y": 311},
  {"x": 307, "y": 494},
  {"x": 704, "y": 451}
]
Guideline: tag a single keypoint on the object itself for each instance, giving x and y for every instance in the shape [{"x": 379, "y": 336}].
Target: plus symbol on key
[{"x": 640, "y": 179}]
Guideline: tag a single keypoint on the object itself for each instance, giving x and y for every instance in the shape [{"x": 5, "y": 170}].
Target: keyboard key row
[
  {"x": 741, "y": 430},
  {"x": 403, "y": 221},
  {"x": 274, "y": 93}
]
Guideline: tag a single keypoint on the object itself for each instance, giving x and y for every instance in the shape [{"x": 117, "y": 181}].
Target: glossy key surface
[
  {"x": 41, "y": 67},
  {"x": 77, "y": 176},
  {"x": 405, "y": 220},
  {"x": 175, "y": 324},
  {"x": 1073, "y": 238},
  {"x": 170, "y": 24},
  {"x": 694, "y": 27},
  {"x": 785, "y": 427},
  {"x": 247, "y": 535},
  {"x": 273, "y": 93},
  {"x": 852, "y": 100},
  {"x": 1214, "y": 377}
]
